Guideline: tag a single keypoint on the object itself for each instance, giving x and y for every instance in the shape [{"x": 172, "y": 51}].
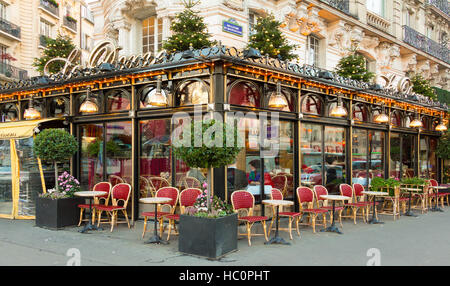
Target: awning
[{"x": 21, "y": 129}]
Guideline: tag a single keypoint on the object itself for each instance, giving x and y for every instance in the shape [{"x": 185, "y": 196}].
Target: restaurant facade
[{"x": 126, "y": 135}]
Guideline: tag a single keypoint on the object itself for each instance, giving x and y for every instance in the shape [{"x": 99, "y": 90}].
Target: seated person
[
  {"x": 254, "y": 175},
  {"x": 236, "y": 179}
]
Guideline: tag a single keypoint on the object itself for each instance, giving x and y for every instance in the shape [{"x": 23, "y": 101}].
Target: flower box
[
  {"x": 56, "y": 214},
  {"x": 208, "y": 237}
]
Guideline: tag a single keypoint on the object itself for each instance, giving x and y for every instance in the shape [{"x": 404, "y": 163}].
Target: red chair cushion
[
  {"x": 109, "y": 208},
  {"x": 331, "y": 208},
  {"x": 173, "y": 216},
  {"x": 152, "y": 214},
  {"x": 360, "y": 204},
  {"x": 253, "y": 218},
  {"x": 82, "y": 206},
  {"x": 292, "y": 214},
  {"x": 403, "y": 199},
  {"x": 315, "y": 211}
]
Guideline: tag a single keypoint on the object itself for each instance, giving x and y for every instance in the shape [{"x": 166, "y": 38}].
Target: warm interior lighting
[
  {"x": 157, "y": 99},
  {"x": 278, "y": 100},
  {"x": 88, "y": 106},
  {"x": 338, "y": 110},
  {"x": 415, "y": 123},
  {"x": 441, "y": 126},
  {"x": 382, "y": 117},
  {"x": 31, "y": 113}
]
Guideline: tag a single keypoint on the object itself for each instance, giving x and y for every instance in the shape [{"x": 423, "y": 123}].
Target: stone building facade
[
  {"x": 396, "y": 37},
  {"x": 25, "y": 23}
]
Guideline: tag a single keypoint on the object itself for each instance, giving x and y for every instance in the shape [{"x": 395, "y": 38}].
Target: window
[
  {"x": 312, "y": 105},
  {"x": 245, "y": 93},
  {"x": 312, "y": 51},
  {"x": 45, "y": 28},
  {"x": 3, "y": 51},
  {"x": 430, "y": 32},
  {"x": 67, "y": 10},
  {"x": 86, "y": 42},
  {"x": 152, "y": 35},
  {"x": 376, "y": 6},
  {"x": 252, "y": 21},
  {"x": 3, "y": 7},
  {"x": 87, "y": 14}
]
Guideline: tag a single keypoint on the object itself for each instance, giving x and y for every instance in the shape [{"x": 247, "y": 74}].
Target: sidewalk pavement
[{"x": 423, "y": 240}]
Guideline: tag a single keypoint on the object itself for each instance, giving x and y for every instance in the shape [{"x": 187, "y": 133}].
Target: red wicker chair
[
  {"x": 99, "y": 187},
  {"x": 244, "y": 201},
  {"x": 280, "y": 182},
  {"x": 320, "y": 190},
  {"x": 119, "y": 193},
  {"x": 157, "y": 183},
  {"x": 191, "y": 182},
  {"x": 187, "y": 199},
  {"x": 166, "y": 192},
  {"x": 442, "y": 195},
  {"x": 359, "y": 198},
  {"x": 305, "y": 198},
  {"x": 347, "y": 190},
  {"x": 277, "y": 195}
]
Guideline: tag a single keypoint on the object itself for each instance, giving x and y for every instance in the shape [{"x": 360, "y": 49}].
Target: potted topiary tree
[
  {"x": 57, "y": 207},
  {"x": 210, "y": 228}
]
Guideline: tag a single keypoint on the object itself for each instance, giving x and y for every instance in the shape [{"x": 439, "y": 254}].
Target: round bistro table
[
  {"x": 334, "y": 198},
  {"x": 436, "y": 191},
  {"x": 277, "y": 203},
  {"x": 90, "y": 195},
  {"x": 373, "y": 220},
  {"x": 410, "y": 190},
  {"x": 156, "y": 201}
]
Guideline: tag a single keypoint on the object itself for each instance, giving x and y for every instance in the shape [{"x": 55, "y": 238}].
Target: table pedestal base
[
  {"x": 332, "y": 228},
  {"x": 375, "y": 221},
  {"x": 436, "y": 209},
  {"x": 277, "y": 240},
  {"x": 156, "y": 239},
  {"x": 90, "y": 226},
  {"x": 410, "y": 213}
]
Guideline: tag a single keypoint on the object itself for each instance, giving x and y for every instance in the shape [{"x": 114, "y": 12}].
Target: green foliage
[
  {"x": 423, "y": 87},
  {"x": 413, "y": 181},
  {"x": 443, "y": 147},
  {"x": 53, "y": 2},
  {"x": 55, "y": 145},
  {"x": 188, "y": 30},
  {"x": 442, "y": 95},
  {"x": 208, "y": 155},
  {"x": 219, "y": 208},
  {"x": 377, "y": 183},
  {"x": 354, "y": 67},
  {"x": 59, "y": 47},
  {"x": 269, "y": 39}
]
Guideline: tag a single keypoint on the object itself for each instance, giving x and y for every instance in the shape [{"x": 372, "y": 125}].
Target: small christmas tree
[
  {"x": 354, "y": 66},
  {"x": 423, "y": 87},
  {"x": 59, "y": 47},
  {"x": 188, "y": 30},
  {"x": 269, "y": 40}
]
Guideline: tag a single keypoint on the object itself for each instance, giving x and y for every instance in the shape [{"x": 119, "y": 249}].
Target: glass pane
[
  {"x": 334, "y": 158},
  {"x": 312, "y": 105},
  {"x": 311, "y": 154},
  {"x": 92, "y": 159},
  {"x": 376, "y": 151},
  {"x": 394, "y": 163},
  {"x": 5, "y": 178},
  {"x": 408, "y": 155},
  {"x": 118, "y": 152},
  {"x": 194, "y": 92},
  {"x": 359, "y": 159},
  {"x": 246, "y": 94},
  {"x": 427, "y": 157},
  {"x": 280, "y": 165},
  {"x": 118, "y": 101},
  {"x": 30, "y": 177},
  {"x": 155, "y": 156}
]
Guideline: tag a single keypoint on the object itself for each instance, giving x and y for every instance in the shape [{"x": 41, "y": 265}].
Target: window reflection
[
  {"x": 334, "y": 158},
  {"x": 360, "y": 112},
  {"x": 118, "y": 100},
  {"x": 312, "y": 105},
  {"x": 92, "y": 159},
  {"x": 58, "y": 107},
  {"x": 311, "y": 155},
  {"x": 396, "y": 119},
  {"x": 427, "y": 159},
  {"x": 245, "y": 93},
  {"x": 6, "y": 203},
  {"x": 192, "y": 92},
  {"x": 9, "y": 112}
]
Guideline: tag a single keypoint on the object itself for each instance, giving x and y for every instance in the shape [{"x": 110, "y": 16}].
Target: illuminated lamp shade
[
  {"x": 293, "y": 25},
  {"x": 88, "y": 106},
  {"x": 441, "y": 126},
  {"x": 338, "y": 110},
  {"x": 157, "y": 99},
  {"x": 382, "y": 117},
  {"x": 415, "y": 123},
  {"x": 277, "y": 100},
  {"x": 31, "y": 113}
]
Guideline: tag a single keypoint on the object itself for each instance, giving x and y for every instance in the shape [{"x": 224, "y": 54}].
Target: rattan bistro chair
[
  {"x": 354, "y": 207},
  {"x": 120, "y": 194},
  {"x": 276, "y": 194},
  {"x": 305, "y": 198},
  {"x": 323, "y": 203},
  {"x": 100, "y": 200},
  {"x": 245, "y": 201}
]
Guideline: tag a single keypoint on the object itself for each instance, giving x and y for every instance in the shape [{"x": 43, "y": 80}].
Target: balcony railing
[
  {"x": 70, "y": 23},
  {"x": 10, "y": 28},
  {"x": 12, "y": 71},
  {"x": 425, "y": 44},
  {"x": 50, "y": 7},
  {"x": 378, "y": 22},
  {"x": 441, "y": 5},
  {"x": 342, "y": 5}
]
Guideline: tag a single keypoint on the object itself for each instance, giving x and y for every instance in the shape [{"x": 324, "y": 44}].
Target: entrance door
[{"x": 6, "y": 201}]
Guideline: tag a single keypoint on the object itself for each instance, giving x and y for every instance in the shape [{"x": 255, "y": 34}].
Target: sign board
[{"x": 231, "y": 26}]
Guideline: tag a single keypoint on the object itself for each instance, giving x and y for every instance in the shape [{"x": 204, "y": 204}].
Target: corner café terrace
[{"x": 126, "y": 137}]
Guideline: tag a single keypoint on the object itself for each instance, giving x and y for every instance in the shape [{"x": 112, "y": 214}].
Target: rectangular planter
[
  {"x": 208, "y": 237},
  {"x": 56, "y": 214}
]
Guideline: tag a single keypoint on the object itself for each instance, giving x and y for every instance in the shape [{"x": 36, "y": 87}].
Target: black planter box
[
  {"x": 56, "y": 214},
  {"x": 208, "y": 237}
]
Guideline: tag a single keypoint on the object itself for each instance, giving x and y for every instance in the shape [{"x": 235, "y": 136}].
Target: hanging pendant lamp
[
  {"x": 441, "y": 126},
  {"x": 382, "y": 117},
  {"x": 31, "y": 113},
  {"x": 416, "y": 123},
  {"x": 338, "y": 110},
  {"x": 278, "y": 100},
  {"x": 88, "y": 106},
  {"x": 157, "y": 99}
]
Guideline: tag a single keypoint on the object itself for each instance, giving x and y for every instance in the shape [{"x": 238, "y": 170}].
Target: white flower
[{"x": 203, "y": 209}]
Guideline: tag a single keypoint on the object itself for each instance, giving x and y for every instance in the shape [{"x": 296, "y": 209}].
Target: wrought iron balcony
[
  {"x": 12, "y": 71},
  {"x": 10, "y": 28},
  {"x": 425, "y": 44},
  {"x": 70, "y": 23},
  {"x": 342, "y": 5},
  {"x": 441, "y": 5},
  {"x": 50, "y": 7}
]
